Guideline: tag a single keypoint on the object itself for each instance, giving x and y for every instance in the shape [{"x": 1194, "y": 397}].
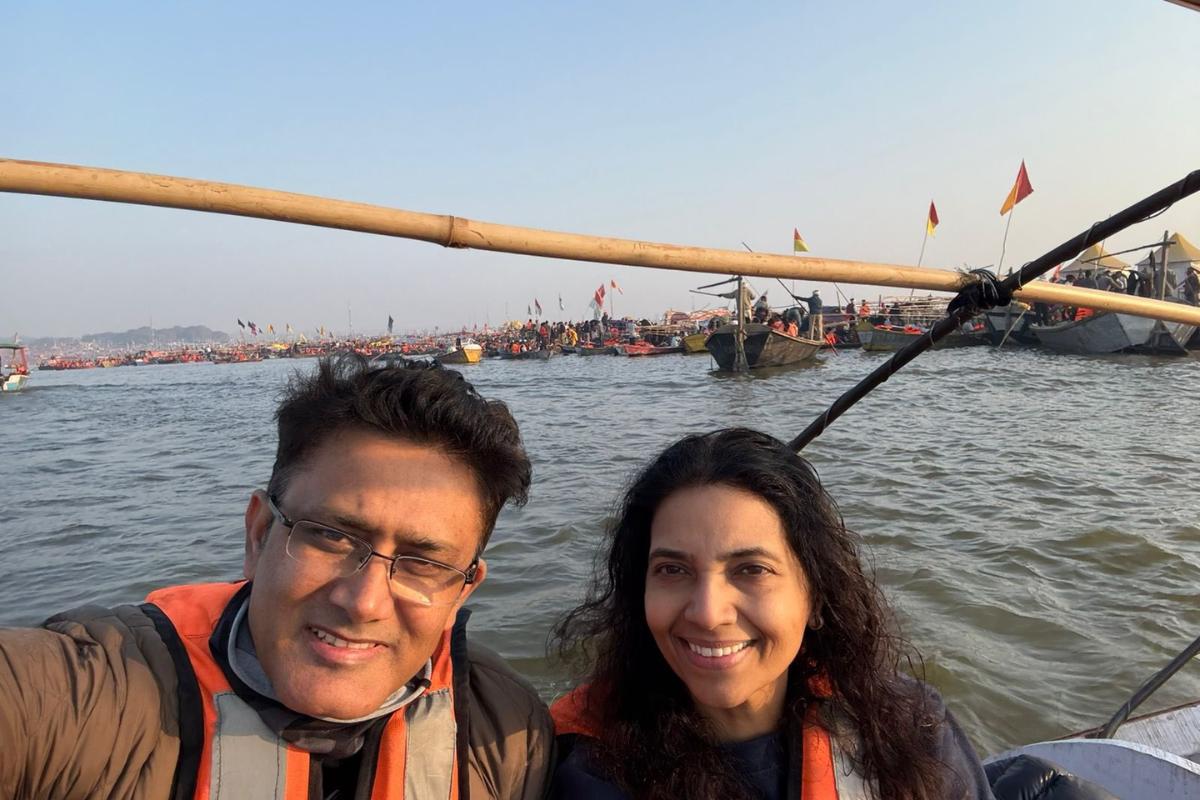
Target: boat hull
[
  {"x": 462, "y": 355},
  {"x": 695, "y": 343},
  {"x": 1010, "y": 325},
  {"x": 607, "y": 350},
  {"x": 528, "y": 355},
  {"x": 885, "y": 340},
  {"x": 14, "y": 383},
  {"x": 1107, "y": 332},
  {"x": 764, "y": 347}
]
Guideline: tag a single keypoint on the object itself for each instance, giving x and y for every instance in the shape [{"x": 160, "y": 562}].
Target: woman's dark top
[{"x": 762, "y": 761}]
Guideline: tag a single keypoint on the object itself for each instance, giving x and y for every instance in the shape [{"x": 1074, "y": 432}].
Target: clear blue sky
[{"x": 697, "y": 123}]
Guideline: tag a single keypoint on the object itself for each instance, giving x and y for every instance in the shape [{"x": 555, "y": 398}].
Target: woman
[{"x": 737, "y": 649}]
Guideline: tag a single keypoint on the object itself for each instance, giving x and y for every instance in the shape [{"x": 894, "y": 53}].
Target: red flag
[
  {"x": 932, "y": 221},
  {"x": 599, "y": 295},
  {"x": 613, "y": 283},
  {"x": 1021, "y": 189}
]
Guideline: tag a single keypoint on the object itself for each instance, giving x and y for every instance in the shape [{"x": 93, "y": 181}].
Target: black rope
[{"x": 982, "y": 290}]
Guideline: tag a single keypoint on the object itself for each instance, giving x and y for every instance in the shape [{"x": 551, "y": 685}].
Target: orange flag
[
  {"x": 931, "y": 221},
  {"x": 1021, "y": 189}
]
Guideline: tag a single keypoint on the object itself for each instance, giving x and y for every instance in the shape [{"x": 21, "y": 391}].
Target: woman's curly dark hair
[{"x": 653, "y": 743}]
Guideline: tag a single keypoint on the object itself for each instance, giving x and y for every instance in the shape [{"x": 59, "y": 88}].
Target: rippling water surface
[{"x": 1035, "y": 518}]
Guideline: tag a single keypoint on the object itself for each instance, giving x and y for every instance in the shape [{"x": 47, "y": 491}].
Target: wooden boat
[
  {"x": 764, "y": 347},
  {"x": 695, "y": 343},
  {"x": 529, "y": 355},
  {"x": 884, "y": 337},
  {"x": 1011, "y": 324},
  {"x": 635, "y": 349},
  {"x": 15, "y": 374},
  {"x": 602, "y": 350},
  {"x": 1108, "y": 332},
  {"x": 468, "y": 353}
]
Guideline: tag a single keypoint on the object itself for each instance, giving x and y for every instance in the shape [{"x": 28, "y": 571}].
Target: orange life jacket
[
  {"x": 828, "y": 773},
  {"x": 241, "y": 757}
]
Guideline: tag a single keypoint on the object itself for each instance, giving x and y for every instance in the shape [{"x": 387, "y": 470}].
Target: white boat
[
  {"x": 1150, "y": 757},
  {"x": 14, "y": 374},
  {"x": 1153, "y": 757}
]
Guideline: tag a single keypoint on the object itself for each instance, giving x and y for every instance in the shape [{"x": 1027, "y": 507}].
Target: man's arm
[{"x": 82, "y": 711}]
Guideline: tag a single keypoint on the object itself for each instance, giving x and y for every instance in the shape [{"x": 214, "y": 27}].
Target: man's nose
[{"x": 365, "y": 595}]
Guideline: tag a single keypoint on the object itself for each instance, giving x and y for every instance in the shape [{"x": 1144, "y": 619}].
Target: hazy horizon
[{"x": 698, "y": 123}]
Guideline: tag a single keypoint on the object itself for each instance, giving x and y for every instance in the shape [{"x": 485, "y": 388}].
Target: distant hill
[{"x": 142, "y": 337}]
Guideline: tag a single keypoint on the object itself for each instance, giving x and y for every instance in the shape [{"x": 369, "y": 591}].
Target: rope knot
[{"x": 985, "y": 293}]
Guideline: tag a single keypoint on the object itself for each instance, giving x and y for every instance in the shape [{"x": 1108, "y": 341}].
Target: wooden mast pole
[{"x": 63, "y": 180}]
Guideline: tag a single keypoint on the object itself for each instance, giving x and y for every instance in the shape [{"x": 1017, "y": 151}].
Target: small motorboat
[{"x": 15, "y": 373}]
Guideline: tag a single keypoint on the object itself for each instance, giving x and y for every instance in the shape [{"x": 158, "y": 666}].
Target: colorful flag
[
  {"x": 1021, "y": 189},
  {"x": 253, "y": 327},
  {"x": 613, "y": 283},
  {"x": 270, "y": 328},
  {"x": 932, "y": 221},
  {"x": 798, "y": 243},
  {"x": 537, "y": 306},
  {"x": 390, "y": 323},
  {"x": 598, "y": 297},
  {"x": 241, "y": 325}
]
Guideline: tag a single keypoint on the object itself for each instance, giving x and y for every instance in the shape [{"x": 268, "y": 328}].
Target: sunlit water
[{"x": 1035, "y": 518}]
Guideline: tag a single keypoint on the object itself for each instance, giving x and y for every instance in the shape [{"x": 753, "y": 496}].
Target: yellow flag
[{"x": 798, "y": 243}]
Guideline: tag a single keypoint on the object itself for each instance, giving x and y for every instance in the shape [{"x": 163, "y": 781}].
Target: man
[
  {"x": 762, "y": 309},
  {"x": 1191, "y": 286},
  {"x": 340, "y": 667},
  {"x": 816, "y": 325}
]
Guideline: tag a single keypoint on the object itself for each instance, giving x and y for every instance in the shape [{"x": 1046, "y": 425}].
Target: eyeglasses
[{"x": 339, "y": 555}]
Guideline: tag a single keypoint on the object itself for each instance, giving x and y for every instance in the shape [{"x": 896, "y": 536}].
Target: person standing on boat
[
  {"x": 816, "y": 319},
  {"x": 340, "y": 666},
  {"x": 762, "y": 309},
  {"x": 739, "y": 649},
  {"x": 1191, "y": 286}
]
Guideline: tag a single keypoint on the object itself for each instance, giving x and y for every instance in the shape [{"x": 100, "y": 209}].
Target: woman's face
[{"x": 726, "y": 599}]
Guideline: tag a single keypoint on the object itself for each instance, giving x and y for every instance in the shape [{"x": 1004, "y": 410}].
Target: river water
[{"x": 1035, "y": 518}]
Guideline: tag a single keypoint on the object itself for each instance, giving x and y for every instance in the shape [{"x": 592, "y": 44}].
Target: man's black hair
[{"x": 418, "y": 402}]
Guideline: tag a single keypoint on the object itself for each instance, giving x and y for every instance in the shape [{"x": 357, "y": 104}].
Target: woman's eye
[
  {"x": 669, "y": 570},
  {"x": 753, "y": 570}
]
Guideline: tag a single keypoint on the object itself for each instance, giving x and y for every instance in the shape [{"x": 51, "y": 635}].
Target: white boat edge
[{"x": 1130, "y": 770}]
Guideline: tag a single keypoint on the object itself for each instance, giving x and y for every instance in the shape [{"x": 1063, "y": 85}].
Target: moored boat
[
  {"x": 601, "y": 350},
  {"x": 528, "y": 355},
  {"x": 1108, "y": 332},
  {"x": 635, "y": 349},
  {"x": 886, "y": 337},
  {"x": 764, "y": 347},
  {"x": 15, "y": 374},
  {"x": 466, "y": 353},
  {"x": 696, "y": 342}
]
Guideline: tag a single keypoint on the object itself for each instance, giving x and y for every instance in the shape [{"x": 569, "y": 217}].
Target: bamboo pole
[{"x": 92, "y": 183}]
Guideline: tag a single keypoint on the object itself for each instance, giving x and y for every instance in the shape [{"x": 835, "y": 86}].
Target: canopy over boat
[
  {"x": 1182, "y": 255},
  {"x": 1095, "y": 257}
]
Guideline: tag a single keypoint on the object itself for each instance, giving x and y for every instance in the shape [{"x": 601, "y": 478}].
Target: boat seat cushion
[{"x": 1025, "y": 777}]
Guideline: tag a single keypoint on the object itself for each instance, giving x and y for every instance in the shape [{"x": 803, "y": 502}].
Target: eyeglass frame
[{"x": 469, "y": 576}]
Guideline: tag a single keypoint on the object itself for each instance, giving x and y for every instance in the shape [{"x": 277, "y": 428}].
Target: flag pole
[
  {"x": 921, "y": 257},
  {"x": 1004, "y": 243}
]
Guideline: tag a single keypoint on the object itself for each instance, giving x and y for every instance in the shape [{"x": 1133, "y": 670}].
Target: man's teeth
[
  {"x": 329, "y": 638},
  {"x": 717, "y": 652}
]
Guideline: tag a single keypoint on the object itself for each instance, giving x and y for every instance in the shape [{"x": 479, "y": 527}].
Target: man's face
[{"x": 337, "y": 647}]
